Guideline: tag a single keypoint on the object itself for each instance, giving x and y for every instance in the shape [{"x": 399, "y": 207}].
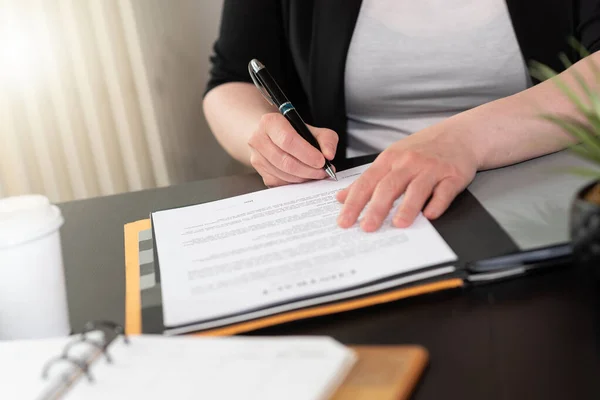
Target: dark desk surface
[{"x": 533, "y": 338}]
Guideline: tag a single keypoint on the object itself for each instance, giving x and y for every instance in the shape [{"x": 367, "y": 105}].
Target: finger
[
  {"x": 283, "y": 161},
  {"x": 328, "y": 141},
  {"x": 271, "y": 181},
  {"x": 382, "y": 201},
  {"x": 417, "y": 193},
  {"x": 359, "y": 195},
  {"x": 262, "y": 165},
  {"x": 287, "y": 139},
  {"x": 343, "y": 194},
  {"x": 443, "y": 195}
]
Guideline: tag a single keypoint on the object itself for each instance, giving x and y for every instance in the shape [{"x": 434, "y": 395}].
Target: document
[
  {"x": 155, "y": 367},
  {"x": 280, "y": 248},
  {"x": 22, "y": 363}
]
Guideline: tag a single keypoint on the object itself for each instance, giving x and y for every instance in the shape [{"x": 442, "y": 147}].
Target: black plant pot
[{"x": 585, "y": 230}]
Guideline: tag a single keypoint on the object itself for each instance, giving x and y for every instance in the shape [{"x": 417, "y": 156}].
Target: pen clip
[{"x": 253, "y": 67}]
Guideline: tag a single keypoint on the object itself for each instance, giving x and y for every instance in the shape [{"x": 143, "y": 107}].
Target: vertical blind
[{"x": 76, "y": 112}]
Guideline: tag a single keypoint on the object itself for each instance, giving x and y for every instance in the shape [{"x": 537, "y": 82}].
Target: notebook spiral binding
[{"x": 84, "y": 365}]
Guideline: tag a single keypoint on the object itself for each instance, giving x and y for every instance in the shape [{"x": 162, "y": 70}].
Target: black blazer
[{"x": 304, "y": 44}]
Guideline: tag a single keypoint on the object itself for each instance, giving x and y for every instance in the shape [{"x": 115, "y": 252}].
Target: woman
[{"x": 439, "y": 87}]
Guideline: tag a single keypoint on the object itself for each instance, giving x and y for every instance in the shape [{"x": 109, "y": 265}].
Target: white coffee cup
[{"x": 33, "y": 298}]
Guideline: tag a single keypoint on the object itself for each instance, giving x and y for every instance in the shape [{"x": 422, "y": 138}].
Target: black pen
[{"x": 274, "y": 95}]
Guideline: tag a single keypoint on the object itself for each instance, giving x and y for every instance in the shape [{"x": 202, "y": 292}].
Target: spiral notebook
[{"x": 99, "y": 364}]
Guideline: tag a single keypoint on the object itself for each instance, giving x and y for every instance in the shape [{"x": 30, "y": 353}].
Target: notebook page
[
  {"x": 22, "y": 362},
  {"x": 276, "y": 246},
  {"x": 156, "y": 367}
]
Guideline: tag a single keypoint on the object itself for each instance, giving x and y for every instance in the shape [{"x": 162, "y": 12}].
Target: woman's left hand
[{"x": 430, "y": 163}]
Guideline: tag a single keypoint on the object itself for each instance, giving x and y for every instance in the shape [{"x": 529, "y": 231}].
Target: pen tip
[{"x": 330, "y": 172}]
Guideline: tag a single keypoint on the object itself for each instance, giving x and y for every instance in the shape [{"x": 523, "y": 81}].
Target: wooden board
[{"x": 384, "y": 373}]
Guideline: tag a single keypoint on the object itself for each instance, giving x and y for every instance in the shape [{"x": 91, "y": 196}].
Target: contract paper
[
  {"x": 154, "y": 367},
  {"x": 279, "y": 247}
]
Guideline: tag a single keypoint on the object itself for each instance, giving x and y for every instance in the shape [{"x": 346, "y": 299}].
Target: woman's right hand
[{"x": 281, "y": 156}]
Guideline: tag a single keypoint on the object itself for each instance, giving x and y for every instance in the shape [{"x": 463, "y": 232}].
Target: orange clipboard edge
[{"x": 133, "y": 306}]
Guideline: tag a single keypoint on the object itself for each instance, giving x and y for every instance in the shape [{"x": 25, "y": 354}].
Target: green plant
[{"x": 586, "y": 131}]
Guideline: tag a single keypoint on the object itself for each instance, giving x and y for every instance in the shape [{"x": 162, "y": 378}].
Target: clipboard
[{"x": 133, "y": 306}]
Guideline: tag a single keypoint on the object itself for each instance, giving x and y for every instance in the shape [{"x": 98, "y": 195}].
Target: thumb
[{"x": 327, "y": 139}]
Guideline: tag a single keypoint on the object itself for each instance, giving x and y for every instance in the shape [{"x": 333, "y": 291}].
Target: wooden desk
[{"x": 531, "y": 338}]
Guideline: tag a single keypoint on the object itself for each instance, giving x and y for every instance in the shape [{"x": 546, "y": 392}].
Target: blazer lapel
[
  {"x": 543, "y": 35},
  {"x": 333, "y": 26}
]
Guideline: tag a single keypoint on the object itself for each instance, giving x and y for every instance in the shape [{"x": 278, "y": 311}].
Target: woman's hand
[
  {"x": 281, "y": 156},
  {"x": 430, "y": 163}
]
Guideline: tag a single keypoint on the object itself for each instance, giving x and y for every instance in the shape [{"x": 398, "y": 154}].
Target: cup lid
[{"x": 26, "y": 218}]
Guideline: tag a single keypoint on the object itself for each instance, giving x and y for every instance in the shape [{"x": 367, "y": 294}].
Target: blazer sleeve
[
  {"x": 249, "y": 29},
  {"x": 588, "y": 27}
]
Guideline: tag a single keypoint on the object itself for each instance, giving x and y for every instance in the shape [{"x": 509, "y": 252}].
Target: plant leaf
[
  {"x": 585, "y": 172},
  {"x": 565, "y": 60},
  {"x": 587, "y": 132},
  {"x": 583, "y": 153},
  {"x": 595, "y": 125},
  {"x": 539, "y": 70},
  {"x": 583, "y": 53},
  {"x": 581, "y": 171},
  {"x": 584, "y": 86},
  {"x": 577, "y": 76},
  {"x": 575, "y": 44},
  {"x": 579, "y": 131},
  {"x": 595, "y": 111}
]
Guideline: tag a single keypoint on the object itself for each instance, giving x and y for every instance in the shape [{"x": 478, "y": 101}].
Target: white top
[{"x": 413, "y": 63}]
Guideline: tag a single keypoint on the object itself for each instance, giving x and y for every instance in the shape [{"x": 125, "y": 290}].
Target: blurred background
[{"x": 99, "y": 97}]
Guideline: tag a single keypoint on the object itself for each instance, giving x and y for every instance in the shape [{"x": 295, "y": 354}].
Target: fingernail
[
  {"x": 368, "y": 224},
  {"x": 399, "y": 220},
  {"x": 344, "y": 220},
  {"x": 430, "y": 214}
]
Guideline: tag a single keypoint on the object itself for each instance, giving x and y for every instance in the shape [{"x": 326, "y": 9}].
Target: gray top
[{"x": 412, "y": 64}]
